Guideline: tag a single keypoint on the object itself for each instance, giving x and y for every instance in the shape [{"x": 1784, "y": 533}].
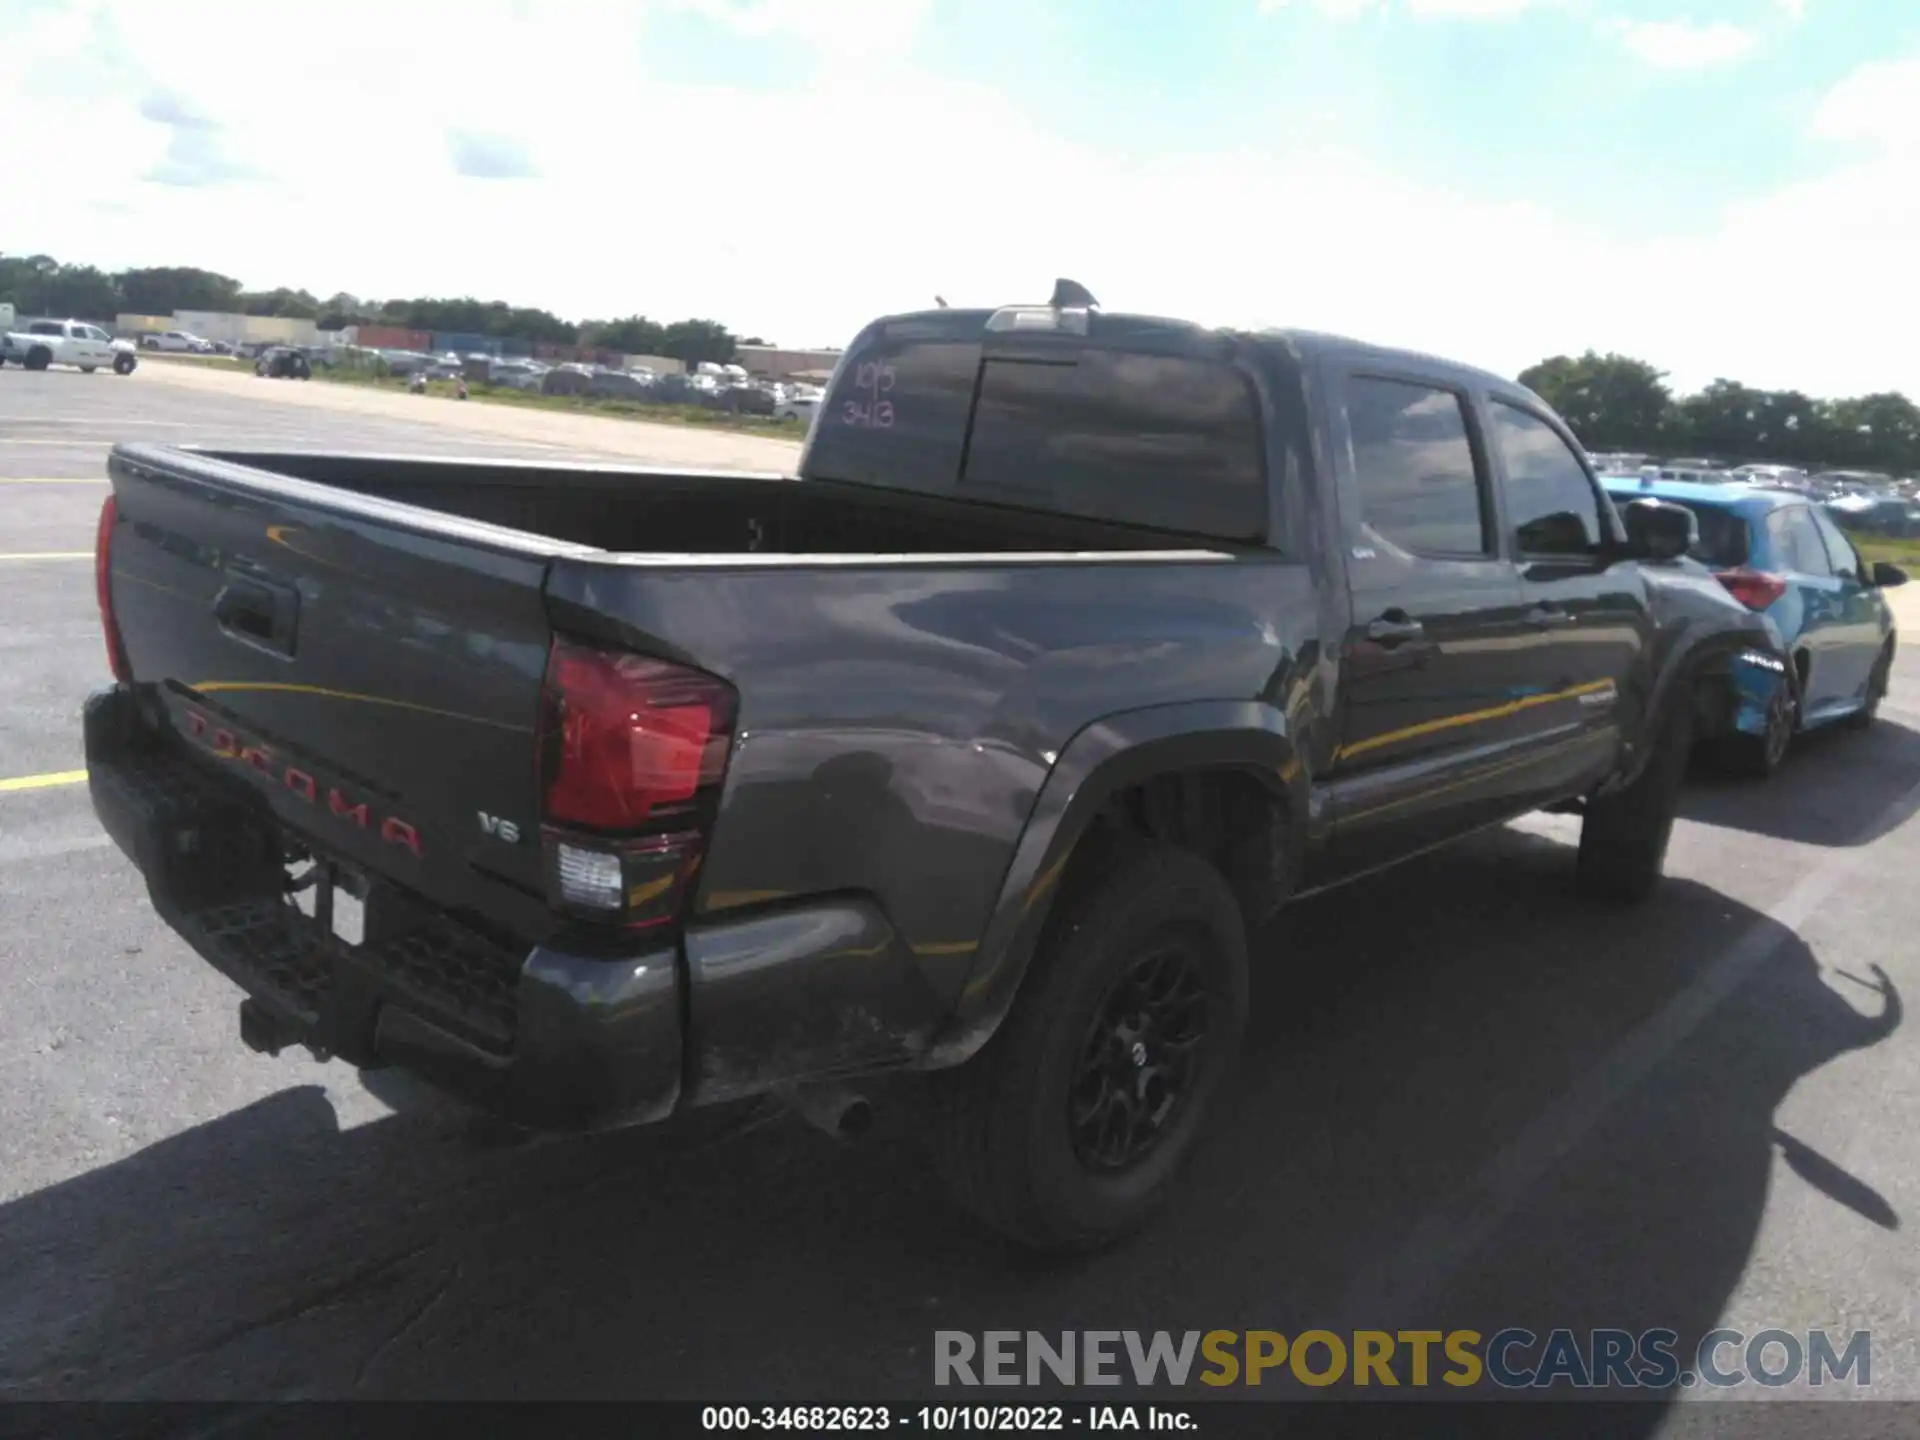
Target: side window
[
  {"x": 1550, "y": 501},
  {"x": 1419, "y": 485},
  {"x": 1137, "y": 439},
  {"x": 44, "y": 327},
  {"x": 1797, "y": 544},
  {"x": 1840, "y": 552}
]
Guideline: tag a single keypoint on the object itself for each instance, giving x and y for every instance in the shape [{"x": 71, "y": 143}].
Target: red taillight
[
  {"x": 632, "y": 751},
  {"x": 631, "y": 740},
  {"x": 1755, "y": 589},
  {"x": 103, "y": 588}
]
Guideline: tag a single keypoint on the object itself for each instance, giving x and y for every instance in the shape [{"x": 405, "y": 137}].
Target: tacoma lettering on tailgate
[{"x": 228, "y": 745}]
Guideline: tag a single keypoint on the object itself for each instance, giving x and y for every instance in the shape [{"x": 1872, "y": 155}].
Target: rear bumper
[
  {"x": 545, "y": 1037},
  {"x": 1755, "y": 677},
  {"x": 548, "y": 1037}
]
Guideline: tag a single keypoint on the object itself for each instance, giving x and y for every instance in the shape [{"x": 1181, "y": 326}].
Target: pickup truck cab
[
  {"x": 1080, "y": 644},
  {"x": 66, "y": 342}
]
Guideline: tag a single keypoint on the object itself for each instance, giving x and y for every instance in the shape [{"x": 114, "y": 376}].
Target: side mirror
[
  {"x": 1886, "y": 576},
  {"x": 1657, "y": 530}
]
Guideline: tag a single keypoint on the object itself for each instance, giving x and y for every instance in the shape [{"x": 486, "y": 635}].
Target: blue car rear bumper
[{"x": 1757, "y": 679}]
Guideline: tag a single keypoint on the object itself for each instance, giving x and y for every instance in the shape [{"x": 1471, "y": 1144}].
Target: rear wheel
[
  {"x": 38, "y": 358},
  {"x": 1877, "y": 682},
  {"x": 1623, "y": 838},
  {"x": 1070, "y": 1126}
]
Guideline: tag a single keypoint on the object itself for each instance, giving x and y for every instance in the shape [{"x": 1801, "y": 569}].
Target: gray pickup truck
[{"x": 1080, "y": 643}]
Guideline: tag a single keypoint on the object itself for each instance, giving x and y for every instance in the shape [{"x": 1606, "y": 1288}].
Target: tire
[
  {"x": 123, "y": 364},
  {"x": 38, "y": 359},
  {"x": 1623, "y": 839},
  {"x": 1002, "y": 1129},
  {"x": 1863, "y": 718},
  {"x": 1758, "y": 756}
]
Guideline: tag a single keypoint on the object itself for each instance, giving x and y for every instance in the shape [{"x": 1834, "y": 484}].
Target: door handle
[
  {"x": 258, "y": 612},
  {"x": 1395, "y": 628},
  {"x": 1548, "y": 617}
]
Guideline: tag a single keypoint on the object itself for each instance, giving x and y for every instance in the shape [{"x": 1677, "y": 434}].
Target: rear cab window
[
  {"x": 1164, "y": 442},
  {"x": 1117, "y": 432}
]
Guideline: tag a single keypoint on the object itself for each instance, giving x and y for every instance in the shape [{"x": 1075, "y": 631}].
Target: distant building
[
  {"x": 771, "y": 362},
  {"x": 224, "y": 328}
]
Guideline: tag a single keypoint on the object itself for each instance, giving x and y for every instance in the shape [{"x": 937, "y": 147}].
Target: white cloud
[
  {"x": 1425, "y": 9},
  {"x": 1879, "y": 104},
  {"x": 1683, "y": 45},
  {"x": 836, "y": 30},
  {"x": 1470, "y": 9},
  {"x": 861, "y": 188}
]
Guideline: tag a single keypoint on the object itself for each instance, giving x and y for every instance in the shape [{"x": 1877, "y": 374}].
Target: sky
[{"x": 1722, "y": 187}]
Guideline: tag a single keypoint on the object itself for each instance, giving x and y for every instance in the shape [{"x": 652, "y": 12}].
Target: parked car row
[
  {"x": 735, "y": 393},
  {"x": 717, "y": 387}
]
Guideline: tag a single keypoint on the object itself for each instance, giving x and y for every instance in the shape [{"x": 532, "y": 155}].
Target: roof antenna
[
  {"x": 1072, "y": 295},
  {"x": 941, "y": 301}
]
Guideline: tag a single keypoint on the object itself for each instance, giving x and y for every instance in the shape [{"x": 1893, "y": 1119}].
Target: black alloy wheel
[{"x": 1139, "y": 1060}]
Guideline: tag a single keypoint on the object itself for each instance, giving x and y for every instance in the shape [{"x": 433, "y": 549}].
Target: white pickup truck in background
[
  {"x": 66, "y": 342},
  {"x": 179, "y": 342}
]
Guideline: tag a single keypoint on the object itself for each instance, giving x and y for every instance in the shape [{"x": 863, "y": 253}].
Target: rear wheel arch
[
  {"x": 1687, "y": 672},
  {"x": 1224, "y": 782}
]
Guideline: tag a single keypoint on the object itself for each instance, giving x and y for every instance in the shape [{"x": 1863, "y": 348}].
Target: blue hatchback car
[{"x": 1782, "y": 554}]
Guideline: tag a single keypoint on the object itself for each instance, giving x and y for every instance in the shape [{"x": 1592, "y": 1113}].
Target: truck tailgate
[{"x": 373, "y": 668}]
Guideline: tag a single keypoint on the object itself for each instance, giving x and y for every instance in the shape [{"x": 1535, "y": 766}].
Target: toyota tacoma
[{"x": 1078, "y": 643}]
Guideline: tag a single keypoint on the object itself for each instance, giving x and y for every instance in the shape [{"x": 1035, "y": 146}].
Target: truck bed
[
  {"x": 700, "y": 513},
  {"x": 384, "y": 624}
]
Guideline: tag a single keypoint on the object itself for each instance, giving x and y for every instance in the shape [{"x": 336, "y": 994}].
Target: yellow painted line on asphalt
[
  {"x": 42, "y": 782},
  {"x": 49, "y": 555}
]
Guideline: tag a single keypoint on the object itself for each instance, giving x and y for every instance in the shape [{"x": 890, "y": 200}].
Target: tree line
[
  {"x": 41, "y": 285},
  {"x": 1614, "y": 402}
]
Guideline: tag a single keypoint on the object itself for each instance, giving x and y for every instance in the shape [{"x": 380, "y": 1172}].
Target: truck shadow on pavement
[
  {"x": 1468, "y": 1101},
  {"x": 1832, "y": 790}
]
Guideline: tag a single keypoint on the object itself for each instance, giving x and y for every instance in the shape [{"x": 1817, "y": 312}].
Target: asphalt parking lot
[{"x": 1469, "y": 1101}]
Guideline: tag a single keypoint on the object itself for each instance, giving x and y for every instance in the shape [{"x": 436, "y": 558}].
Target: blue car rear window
[{"x": 1724, "y": 538}]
